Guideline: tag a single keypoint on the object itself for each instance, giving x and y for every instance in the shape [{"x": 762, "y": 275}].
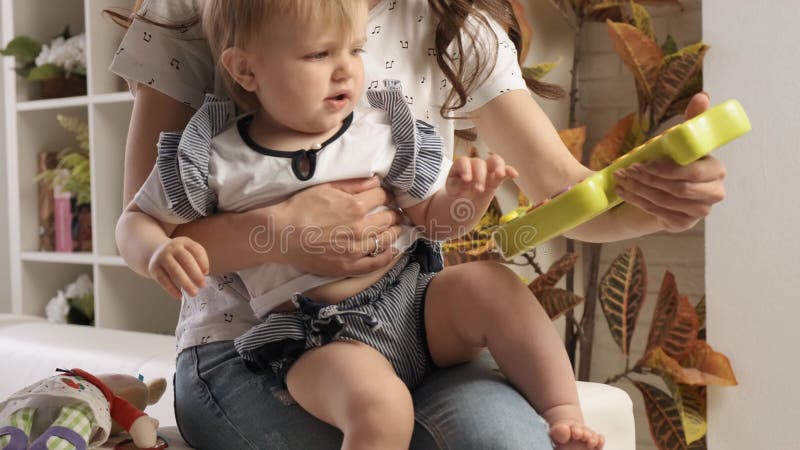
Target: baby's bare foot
[
  {"x": 568, "y": 431},
  {"x": 570, "y": 435}
]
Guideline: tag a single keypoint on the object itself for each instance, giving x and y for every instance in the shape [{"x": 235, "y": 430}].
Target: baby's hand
[
  {"x": 474, "y": 177},
  {"x": 179, "y": 263}
]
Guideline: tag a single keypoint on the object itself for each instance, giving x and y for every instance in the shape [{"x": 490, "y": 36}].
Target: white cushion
[{"x": 32, "y": 348}]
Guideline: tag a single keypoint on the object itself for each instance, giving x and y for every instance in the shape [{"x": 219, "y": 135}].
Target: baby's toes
[
  {"x": 560, "y": 433},
  {"x": 579, "y": 432},
  {"x": 592, "y": 439}
]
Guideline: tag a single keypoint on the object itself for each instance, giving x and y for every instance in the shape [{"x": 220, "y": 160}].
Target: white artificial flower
[
  {"x": 69, "y": 54},
  {"x": 80, "y": 287},
  {"x": 57, "y": 308}
]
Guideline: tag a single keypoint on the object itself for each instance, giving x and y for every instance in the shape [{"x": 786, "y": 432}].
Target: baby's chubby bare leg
[
  {"x": 351, "y": 386},
  {"x": 473, "y": 306}
]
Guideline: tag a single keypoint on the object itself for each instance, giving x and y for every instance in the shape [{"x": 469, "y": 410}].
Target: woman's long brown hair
[{"x": 451, "y": 16}]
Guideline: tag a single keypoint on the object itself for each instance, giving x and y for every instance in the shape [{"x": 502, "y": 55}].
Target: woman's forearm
[
  {"x": 514, "y": 126},
  {"x": 235, "y": 241},
  {"x": 622, "y": 222}
]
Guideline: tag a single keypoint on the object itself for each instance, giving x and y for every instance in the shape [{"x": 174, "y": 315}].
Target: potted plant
[{"x": 59, "y": 67}]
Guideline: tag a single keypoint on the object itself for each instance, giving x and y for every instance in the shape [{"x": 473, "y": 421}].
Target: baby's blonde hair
[{"x": 238, "y": 23}]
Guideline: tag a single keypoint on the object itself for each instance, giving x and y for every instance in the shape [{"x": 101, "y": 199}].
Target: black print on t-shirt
[
  {"x": 376, "y": 30},
  {"x": 431, "y": 51},
  {"x": 391, "y": 5},
  {"x": 228, "y": 317},
  {"x": 226, "y": 280},
  {"x": 389, "y": 64},
  {"x": 404, "y": 44},
  {"x": 147, "y": 37},
  {"x": 175, "y": 63}
]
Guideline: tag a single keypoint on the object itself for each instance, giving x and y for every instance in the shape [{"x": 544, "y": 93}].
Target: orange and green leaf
[
  {"x": 663, "y": 417},
  {"x": 714, "y": 365},
  {"x": 679, "y": 71},
  {"x": 675, "y": 325},
  {"x": 659, "y": 362},
  {"x": 610, "y": 147},
  {"x": 642, "y": 20},
  {"x": 700, "y": 309},
  {"x": 691, "y": 403},
  {"x": 554, "y": 273},
  {"x": 621, "y": 293},
  {"x": 574, "y": 139},
  {"x": 538, "y": 71},
  {"x": 640, "y": 54},
  {"x": 557, "y": 301}
]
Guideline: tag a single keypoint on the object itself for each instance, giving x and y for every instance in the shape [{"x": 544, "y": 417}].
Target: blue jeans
[{"x": 220, "y": 404}]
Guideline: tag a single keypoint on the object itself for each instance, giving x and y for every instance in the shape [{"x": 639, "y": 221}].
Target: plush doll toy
[{"x": 74, "y": 410}]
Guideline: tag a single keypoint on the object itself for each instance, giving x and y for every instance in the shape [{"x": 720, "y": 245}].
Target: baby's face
[{"x": 310, "y": 78}]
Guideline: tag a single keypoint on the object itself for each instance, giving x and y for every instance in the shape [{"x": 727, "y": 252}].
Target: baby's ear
[
  {"x": 237, "y": 63},
  {"x": 155, "y": 389}
]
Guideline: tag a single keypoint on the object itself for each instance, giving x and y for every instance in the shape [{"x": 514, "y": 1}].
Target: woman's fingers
[
  {"x": 671, "y": 219},
  {"x": 699, "y": 103},
  {"x": 664, "y": 198},
  {"x": 372, "y": 198},
  {"x": 637, "y": 177},
  {"x": 707, "y": 168},
  {"x": 380, "y": 221},
  {"x": 356, "y": 185}
]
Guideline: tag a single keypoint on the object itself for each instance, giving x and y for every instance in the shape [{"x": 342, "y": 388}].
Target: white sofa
[{"x": 31, "y": 349}]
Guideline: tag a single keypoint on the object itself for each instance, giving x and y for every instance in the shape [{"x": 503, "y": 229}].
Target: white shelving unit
[{"x": 123, "y": 299}]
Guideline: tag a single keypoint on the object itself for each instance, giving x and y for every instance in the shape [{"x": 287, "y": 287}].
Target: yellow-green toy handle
[{"x": 683, "y": 143}]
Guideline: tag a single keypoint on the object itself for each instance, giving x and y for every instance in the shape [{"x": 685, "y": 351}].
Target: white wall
[
  {"x": 5, "y": 291},
  {"x": 753, "y": 276}
]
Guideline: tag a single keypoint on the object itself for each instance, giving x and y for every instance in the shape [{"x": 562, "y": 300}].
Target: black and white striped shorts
[{"x": 388, "y": 316}]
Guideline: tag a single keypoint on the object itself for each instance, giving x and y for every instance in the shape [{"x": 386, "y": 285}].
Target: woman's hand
[
  {"x": 325, "y": 229},
  {"x": 677, "y": 196}
]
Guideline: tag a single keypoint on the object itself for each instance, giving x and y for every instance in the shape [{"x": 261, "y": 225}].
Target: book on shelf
[
  {"x": 64, "y": 226},
  {"x": 47, "y": 233}
]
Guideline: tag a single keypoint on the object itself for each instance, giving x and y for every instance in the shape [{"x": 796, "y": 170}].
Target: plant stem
[
  {"x": 572, "y": 332},
  {"x": 619, "y": 376},
  {"x": 589, "y": 307}
]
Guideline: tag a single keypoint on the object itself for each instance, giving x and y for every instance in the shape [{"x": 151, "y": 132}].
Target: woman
[{"x": 433, "y": 48}]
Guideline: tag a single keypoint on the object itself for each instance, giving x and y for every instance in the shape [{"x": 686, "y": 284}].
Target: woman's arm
[
  {"x": 670, "y": 197},
  {"x": 322, "y": 230}
]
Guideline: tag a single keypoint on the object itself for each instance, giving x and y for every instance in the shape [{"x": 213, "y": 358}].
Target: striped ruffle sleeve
[
  {"x": 419, "y": 168},
  {"x": 178, "y": 191}
]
